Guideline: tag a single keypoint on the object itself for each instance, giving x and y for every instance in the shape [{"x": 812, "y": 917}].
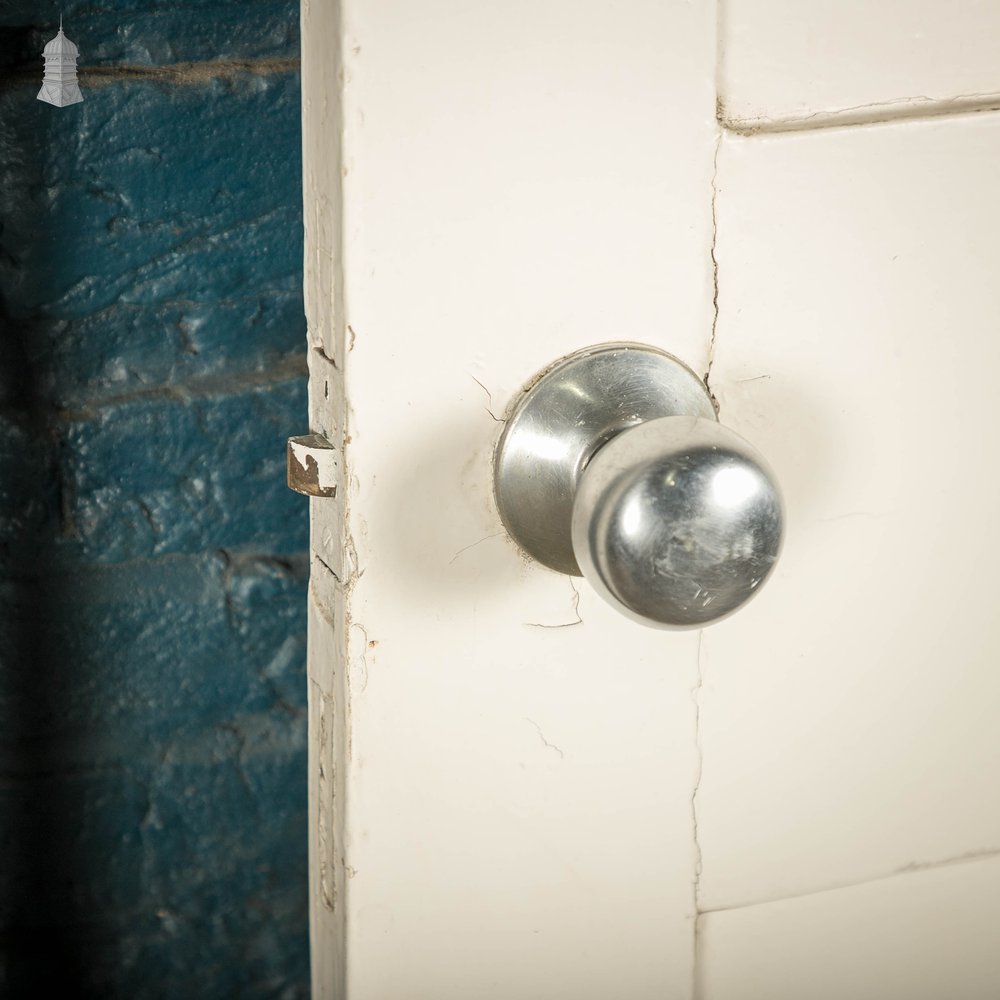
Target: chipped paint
[{"x": 313, "y": 466}]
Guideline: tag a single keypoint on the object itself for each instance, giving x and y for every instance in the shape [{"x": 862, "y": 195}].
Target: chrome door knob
[{"x": 612, "y": 465}]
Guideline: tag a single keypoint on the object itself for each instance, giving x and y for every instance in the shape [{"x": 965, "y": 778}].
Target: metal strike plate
[{"x": 313, "y": 466}]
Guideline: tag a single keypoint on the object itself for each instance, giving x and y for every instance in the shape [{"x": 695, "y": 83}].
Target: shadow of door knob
[{"x": 612, "y": 465}]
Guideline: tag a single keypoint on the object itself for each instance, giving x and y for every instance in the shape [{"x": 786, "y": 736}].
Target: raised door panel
[
  {"x": 848, "y": 718},
  {"x": 922, "y": 936},
  {"x": 784, "y": 63}
]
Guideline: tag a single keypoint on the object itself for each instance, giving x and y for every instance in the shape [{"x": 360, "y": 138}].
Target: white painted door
[{"x": 516, "y": 792}]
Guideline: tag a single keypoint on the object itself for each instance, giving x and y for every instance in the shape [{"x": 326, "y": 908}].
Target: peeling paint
[
  {"x": 327, "y": 336},
  {"x": 313, "y": 466}
]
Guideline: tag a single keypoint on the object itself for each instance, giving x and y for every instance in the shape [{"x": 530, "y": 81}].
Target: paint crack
[
  {"x": 696, "y": 691},
  {"x": 715, "y": 270}
]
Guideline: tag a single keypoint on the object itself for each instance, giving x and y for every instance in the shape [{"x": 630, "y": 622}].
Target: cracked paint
[
  {"x": 325, "y": 812},
  {"x": 967, "y": 858},
  {"x": 917, "y": 108},
  {"x": 336, "y": 565},
  {"x": 489, "y": 400},
  {"x": 541, "y": 736},
  {"x": 696, "y": 693},
  {"x": 575, "y": 608},
  {"x": 472, "y": 545},
  {"x": 715, "y": 270}
]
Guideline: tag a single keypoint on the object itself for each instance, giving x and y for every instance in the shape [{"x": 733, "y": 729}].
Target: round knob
[
  {"x": 612, "y": 465},
  {"x": 677, "y": 522}
]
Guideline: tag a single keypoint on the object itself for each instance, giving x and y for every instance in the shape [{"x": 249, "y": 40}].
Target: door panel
[
  {"x": 849, "y": 721},
  {"x": 922, "y": 936},
  {"x": 785, "y": 63}
]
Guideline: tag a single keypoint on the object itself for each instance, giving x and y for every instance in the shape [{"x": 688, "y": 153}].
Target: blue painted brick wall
[{"x": 153, "y": 565}]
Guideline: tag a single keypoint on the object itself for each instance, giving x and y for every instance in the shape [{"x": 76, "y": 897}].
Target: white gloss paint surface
[
  {"x": 857, "y": 347},
  {"x": 919, "y": 936},
  {"x": 784, "y": 61},
  {"x": 515, "y": 791},
  {"x": 521, "y": 180}
]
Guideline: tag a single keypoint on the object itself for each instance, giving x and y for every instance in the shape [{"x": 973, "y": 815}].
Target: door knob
[{"x": 612, "y": 465}]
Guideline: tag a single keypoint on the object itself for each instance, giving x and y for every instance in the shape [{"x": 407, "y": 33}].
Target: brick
[
  {"x": 103, "y": 666},
  {"x": 142, "y": 32},
  {"x": 152, "y": 660},
  {"x": 182, "y": 877},
  {"x": 155, "y": 235},
  {"x": 54, "y": 831},
  {"x": 152, "y": 476},
  {"x": 29, "y": 496},
  {"x": 153, "y": 777}
]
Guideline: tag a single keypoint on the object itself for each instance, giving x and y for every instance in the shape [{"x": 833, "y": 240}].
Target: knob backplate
[{"x": 562, "y": 417}]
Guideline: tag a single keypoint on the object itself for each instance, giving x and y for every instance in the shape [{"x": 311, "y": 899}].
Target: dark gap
[{"x": 50, "y": 937}]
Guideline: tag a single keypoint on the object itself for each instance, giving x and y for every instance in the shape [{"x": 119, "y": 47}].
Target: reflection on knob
[
  {"x": 676, "y": 521},
  {"x": 613, "y": 464}
]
